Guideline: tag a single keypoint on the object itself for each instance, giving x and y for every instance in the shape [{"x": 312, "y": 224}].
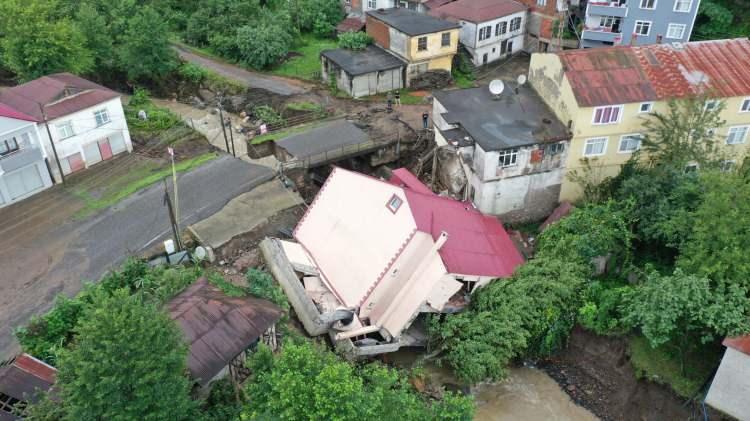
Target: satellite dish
[
  {"x": 521, "y": 79},
  {"x": 496, "y": 87}
]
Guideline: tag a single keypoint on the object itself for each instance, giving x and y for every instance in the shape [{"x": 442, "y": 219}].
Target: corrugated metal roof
[
  {"x": 61, "y": 94},
  {"x": 740, "y": 343},
  {"x": 478, "y": 10},
  {"x": 626, "y": 74},
  {"x": 359, "y": 62},
  {"x": 24, "y": 376},
  {"x": 217, "y": 327}
]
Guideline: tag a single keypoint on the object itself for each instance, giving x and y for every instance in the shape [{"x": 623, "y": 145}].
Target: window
[
  {"x": 554, "y": 149},
  {"x": 728, "y": 165},
  {"x": 445, "y": 40},
  {"x": 683, "y": 5},
  {"x": 691, "y": 168},
  {"x": 629, "y": 143},
  {"x": 65, "y": 130},
  {"x": 508, "y": 157},
  {"x": 485, "y": 32},
  {"x": 646, "y": 107},
  {"x": 501, "y": 28},
  {"x": 607, "y": 115},
  {"x": 745, "y": 107},
  {"x": 648, "y": 4},
  {"x": 675, "y": 30},
  {"x": 102, "y": 117},
  {"x": 394, "y": 203},
  {"x": 737, "y": 135},
  {"x": 541, "y": 2},
  {"x": 609, "y": 22},
  {"x": 372, "y": 4},
  {"x": 711, "y": 104},
  {"x": 642, "y": 27},
  {"x": 595, "y": 147},
  {"x": 422, "y": 44},
  {"x": 8, "y": 145},
  {"x": 10, "y": 404},
  {"x": 515, "y": 24}
]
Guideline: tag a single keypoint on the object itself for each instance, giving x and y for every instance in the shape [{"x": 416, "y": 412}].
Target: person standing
[
  {"x": 398, "y": 98},
  {"x": 425, "y": 119}
]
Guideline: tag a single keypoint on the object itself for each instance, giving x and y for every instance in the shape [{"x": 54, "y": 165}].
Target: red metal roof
[
  {"x": 218, "y": 327},
  {"x": 478, "y": 10},
  {"x": 433, "y": 4},
  {"x": 477, "y": 244},
  {"x": 6, "y": 111},
  {"x": 61, "y": 94},
  {"x": 23, "y": 376},
  {"x": 350, "y": 25},
  {"x": 740, "y": 343},
  {"x": 626, "y": 74}
]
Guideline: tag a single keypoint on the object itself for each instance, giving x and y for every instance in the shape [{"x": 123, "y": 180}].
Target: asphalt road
[
  {"x": 44, "y": 263},
  {"x": 275, "y": 84}
]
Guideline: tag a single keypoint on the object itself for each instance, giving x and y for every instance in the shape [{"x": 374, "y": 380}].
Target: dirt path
[{"x": 275, "y": 84}]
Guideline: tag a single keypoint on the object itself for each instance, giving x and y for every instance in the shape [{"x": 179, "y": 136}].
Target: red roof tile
[
  {"x": 23, "y": 376},
  {"x": 625, "y": 74},
  {"x": 61, "y": 94},
  {"x": 6, "y": 111},
  {"x": 740, "y": 343},
  {"x": 350, "y": 25},
  {"x": 478, "y": 10}
]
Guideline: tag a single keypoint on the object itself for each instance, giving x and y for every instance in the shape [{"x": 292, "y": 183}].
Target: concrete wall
[
  {"x": 492, "y": 45},
  {"x": 376, "y": 82},
  {"x": 30, "y": 153},
  {"x": 730, "y": 388},
  {"x": 398, "y": 43},
  {"x": 86, "y": 132}
]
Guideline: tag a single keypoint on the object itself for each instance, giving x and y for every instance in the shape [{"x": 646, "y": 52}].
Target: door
[
  {"x": 484, "y": 58},
  {"x": 509, "y": 47},
  {"x": 91, "y": 153},
  {"x": 105, "y": 149},
  {"x": 24, "y": 181},
  {"x": 72, "y": 163},
  {"x": 503, "y": 47}
]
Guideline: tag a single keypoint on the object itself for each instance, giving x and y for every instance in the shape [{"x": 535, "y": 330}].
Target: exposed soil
[
  {"x": 595, "y": 371},
  {"x": 279, "y": 225}
]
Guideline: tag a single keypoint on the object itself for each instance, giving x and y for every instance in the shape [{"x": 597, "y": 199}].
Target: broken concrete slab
[{"x": 244, "y": 213}]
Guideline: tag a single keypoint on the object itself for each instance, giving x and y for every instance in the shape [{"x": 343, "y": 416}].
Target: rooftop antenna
[{"x": 497, "y": 87}]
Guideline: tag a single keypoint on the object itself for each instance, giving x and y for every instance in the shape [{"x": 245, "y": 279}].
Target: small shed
[
  {"x": 219, "y": 328},
  {"x": 730, "y": 388},
  {"x": 21, "y": 380},
  {"x": 363, "y": 72}
]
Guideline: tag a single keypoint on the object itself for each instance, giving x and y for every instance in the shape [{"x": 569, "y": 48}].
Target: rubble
[{"x": 431, "y": 79}]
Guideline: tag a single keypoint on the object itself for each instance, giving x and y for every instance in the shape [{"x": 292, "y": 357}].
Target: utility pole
[
  {"x": 175, "y": 230},
  {"x": 231, "y": 137},
  {"x": 223, "y": 128},
  {"x": 176, "y": 196},
  {"x": 52, "y": 142}
]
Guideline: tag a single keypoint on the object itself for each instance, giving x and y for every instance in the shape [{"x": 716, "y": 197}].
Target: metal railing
[{"x": 346, "y": 151}]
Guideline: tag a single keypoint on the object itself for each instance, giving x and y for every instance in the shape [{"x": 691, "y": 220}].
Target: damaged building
[
  {"x": 511, "y": 146},
  {"x": 371, "y": 255}
]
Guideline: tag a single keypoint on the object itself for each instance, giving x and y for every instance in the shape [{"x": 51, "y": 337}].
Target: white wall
[
  {"x": 20, "y": 128},
  {"x": 730, "y": 388},
  {"x": 86, "y": 132},
  {"x": 470, "y": 38},
  {"x": 381, "y": 4}
]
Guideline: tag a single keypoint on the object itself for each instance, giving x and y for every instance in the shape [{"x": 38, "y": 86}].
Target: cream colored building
[{"x": 604, "y": 95}]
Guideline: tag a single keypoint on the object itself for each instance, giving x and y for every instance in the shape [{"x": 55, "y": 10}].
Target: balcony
[
  {"x": 607, "y": 9},
  {"x": 602, "y": 34},
  {"x": 19, "y": 159}
]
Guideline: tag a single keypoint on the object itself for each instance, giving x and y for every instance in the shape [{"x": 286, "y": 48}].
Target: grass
[
  {"x": 280, "y": 134},
  {"x": 659, "y": 365},
  {"x": 140, "y": 176},
  {"x": 307, "y": 64},
  {"x": 304, "y": 106},
  {"x": 463, "y": 81}
]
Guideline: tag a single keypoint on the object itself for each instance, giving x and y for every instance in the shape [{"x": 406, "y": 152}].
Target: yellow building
[
  {"x": 425, "y": 42},
  {"x": 605, "y": 94}
]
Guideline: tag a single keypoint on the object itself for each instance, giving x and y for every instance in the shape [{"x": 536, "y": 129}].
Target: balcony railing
[
  {"x": 607, "y": 9},
  {"x": 601, "y": 34},
  {"x": 20, "y": 158}
]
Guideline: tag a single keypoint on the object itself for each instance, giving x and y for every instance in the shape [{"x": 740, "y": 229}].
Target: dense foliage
[
  {"x": 354, "y": 40},
  {"x": 306, "y": 382},
  {"x": 128, "y": 362},
  {"x": 262, "y": 285},
  {"x": 720, "y": 19}
]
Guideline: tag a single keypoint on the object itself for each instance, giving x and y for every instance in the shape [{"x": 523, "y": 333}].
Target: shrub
[
  {"x": 267, "y": 115},
  {"x": 354, "y": 40},
  {"x": 262, "y": 285},
  {"x": 192, "y": 73},
  {"x": 602, "y": 311},
  {"x": 263, "y": 44}
]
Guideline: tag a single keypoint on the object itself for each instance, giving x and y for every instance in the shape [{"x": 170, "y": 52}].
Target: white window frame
[
  {"x": 711, "y": 105},
  {"x": 372, "y": 4},
  {"x": 728, "y": 165},
  {"x": 514, "y": 20},
  {"x": 682, "y": 27},
  {"x": 640, "y": 5},
  {"x": 591, "y": 139},
  {"x": 106, "y": 118},
  {"x": 650, "y": 107},
  {"x": 629, "y": 136},
  {"x": 734, "y": 129},
  {"x": 619, "y": 114},
  {"x": 63, "y": 134},
  {"x": 635, "y": 27},
  {"x": 541, "y": 3},
  {"x": 394, "y": 203},
  {"x": 689, "y": 8},
  {"x": 512, "y": 153},
  {"x": 745, "y": 105}
]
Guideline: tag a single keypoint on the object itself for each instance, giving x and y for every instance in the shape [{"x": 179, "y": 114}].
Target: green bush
[
  {"x": 267, "y": 115},
  {"x": 262, "y": 285},
  {"x": 192, "y": 73},
  {"x": 159, "y": 119},
  {"x": 602, "y": 311},
  {"x": 354, "y": 40}
]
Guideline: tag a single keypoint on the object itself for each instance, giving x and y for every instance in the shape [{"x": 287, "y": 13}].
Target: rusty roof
[
  {"x": 24, "y": 376},
  {"x": 60, "y": 93},
  {"x": 350, "y": 25},
  {"x": 478, "y": 10},
  {"x": 218, "y": 327},
  {"x": 626, "y": 74},
  {"x": 740, "y": 343}
]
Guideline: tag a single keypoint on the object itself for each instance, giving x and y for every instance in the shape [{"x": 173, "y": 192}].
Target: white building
[
  {"x": 730, "y": 388},
  {"x": 490, "y": 29},
  {"x": 511, "y": 146},
  {"x": 86, "y": 120},
  {"x": 23, "y": 171}
]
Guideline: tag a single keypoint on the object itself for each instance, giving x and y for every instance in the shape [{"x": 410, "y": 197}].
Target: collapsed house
[
  {"x": 370, "y": 256},
  {"x": 23, "y": 380}
]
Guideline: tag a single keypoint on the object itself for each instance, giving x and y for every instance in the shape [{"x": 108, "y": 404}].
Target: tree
[
  {"x": 128, "y": 362},
  {"x": 354, "y": 40},
  {"x": 34, "y": 43},
  {"x": 263, "y": 44},
  {"x": 145, "y": 52},
  {"x": 715, "y": 21},
  {"x": 684, "y": 133},
  {"x": 98, "y": 38}
]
